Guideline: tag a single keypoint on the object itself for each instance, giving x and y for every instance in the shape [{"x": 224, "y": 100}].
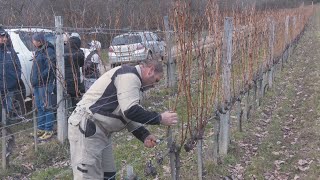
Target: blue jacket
[
  {"x": 10, "y": 70},
  {"x": 43, "y": 66}
]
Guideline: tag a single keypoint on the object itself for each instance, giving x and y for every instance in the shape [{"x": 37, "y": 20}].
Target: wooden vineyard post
[
  {"x": 271, "y": 53},
  {"x": 255, "y": 93},
  {"x": 35, "y": 127},
  {"x": 246, "y": 105},
  {"x": 171, "y": 80},
  {"x": 260, "y": 85},
  {"x": 294, "y": 28},
  {"x": 259, "y": 80},
  {"x": 199, "y": 157},
  {"x": 216, "y": 138},
  {"x": 61, "y": 111},
  {"x": 172, "y": 155},
  {"x": 4, "y": 138},
  {"x": 224, "y": 135},
  {"x": 239, "y": 114},
  {"x": 286, "y": 39}
]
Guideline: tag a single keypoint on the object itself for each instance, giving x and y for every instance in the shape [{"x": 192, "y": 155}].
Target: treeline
[
  {"x": 118, "y": 14},
  {"x": 85, "y": 13},
  {"x": 280, "y": 4},
  {"x": 132, "y": 14}
]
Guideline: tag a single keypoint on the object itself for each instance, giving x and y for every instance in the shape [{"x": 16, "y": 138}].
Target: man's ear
[{"x": 151, "y": 71}]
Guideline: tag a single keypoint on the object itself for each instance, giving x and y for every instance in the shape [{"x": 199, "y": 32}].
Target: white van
[{"x": 22, "y": 44}]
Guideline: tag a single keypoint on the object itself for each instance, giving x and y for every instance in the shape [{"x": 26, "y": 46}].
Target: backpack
[{"x": 90, "y": 69}]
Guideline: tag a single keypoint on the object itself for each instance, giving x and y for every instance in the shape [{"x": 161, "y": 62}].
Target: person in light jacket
[{"x": 111, "y": 104}]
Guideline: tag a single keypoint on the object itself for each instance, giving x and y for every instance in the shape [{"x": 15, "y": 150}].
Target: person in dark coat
[
  {"x": 73, "y": 60},
  {"x": 43, "y": 82},
  {"x": 10, "y": 72}
]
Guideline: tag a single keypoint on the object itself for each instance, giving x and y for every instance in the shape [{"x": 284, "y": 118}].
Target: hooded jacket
[
  {"x": 73, "y": 60},
  {"x": 43, "y": 66},
  {"x": 10, "y": 70}
]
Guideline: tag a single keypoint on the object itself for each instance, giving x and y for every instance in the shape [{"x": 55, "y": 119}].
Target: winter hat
[
  {"x": 39, "y": 37},
  {"x": 94, "y": 44},
  {"x": 75, "y": 42},
  {"x": 74, "y": 34},
  {"x": 3, "y": 32}
]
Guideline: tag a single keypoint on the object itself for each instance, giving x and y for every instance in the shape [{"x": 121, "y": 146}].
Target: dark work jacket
[
  {"x": 43, "y": 66},
  {"x": 73, "y": 60},
  {"x": 10, "y": 70}
]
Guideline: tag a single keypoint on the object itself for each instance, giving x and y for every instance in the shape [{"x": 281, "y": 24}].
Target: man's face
[
  {"x": 36, "y": 43},
  {"x": 151, "y": 78},
  {"x": 3, "y": 39}
]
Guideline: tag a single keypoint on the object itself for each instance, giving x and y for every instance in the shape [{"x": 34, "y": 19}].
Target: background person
[
  {"x": 43, "y": 83},
  {"x": 110, "y": 105},
  {"x": 92, "y": 65},
  {"x": 10, "y": 73},
  {"x": 74, "y": 60}
]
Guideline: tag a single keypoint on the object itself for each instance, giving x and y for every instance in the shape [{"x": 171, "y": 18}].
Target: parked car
[
  {"x": 135, "y": 47},
  {"x": 22, "y": 44}
]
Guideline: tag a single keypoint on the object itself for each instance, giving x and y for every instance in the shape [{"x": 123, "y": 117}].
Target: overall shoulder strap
[{"x": 90, "y": 55}]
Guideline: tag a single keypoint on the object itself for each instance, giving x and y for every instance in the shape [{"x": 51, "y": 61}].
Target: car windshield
[
  {"x": 26, "y": 38},
  {"x": 126, "y": 39}
]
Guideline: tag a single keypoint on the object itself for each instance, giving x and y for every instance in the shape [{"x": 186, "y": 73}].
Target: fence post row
[
  {"x": 61, "y": 111},
  {"x": 226, "y": 86}
]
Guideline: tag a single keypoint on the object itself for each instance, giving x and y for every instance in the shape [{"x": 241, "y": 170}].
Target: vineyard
[{"x": 225, "y": 69}]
